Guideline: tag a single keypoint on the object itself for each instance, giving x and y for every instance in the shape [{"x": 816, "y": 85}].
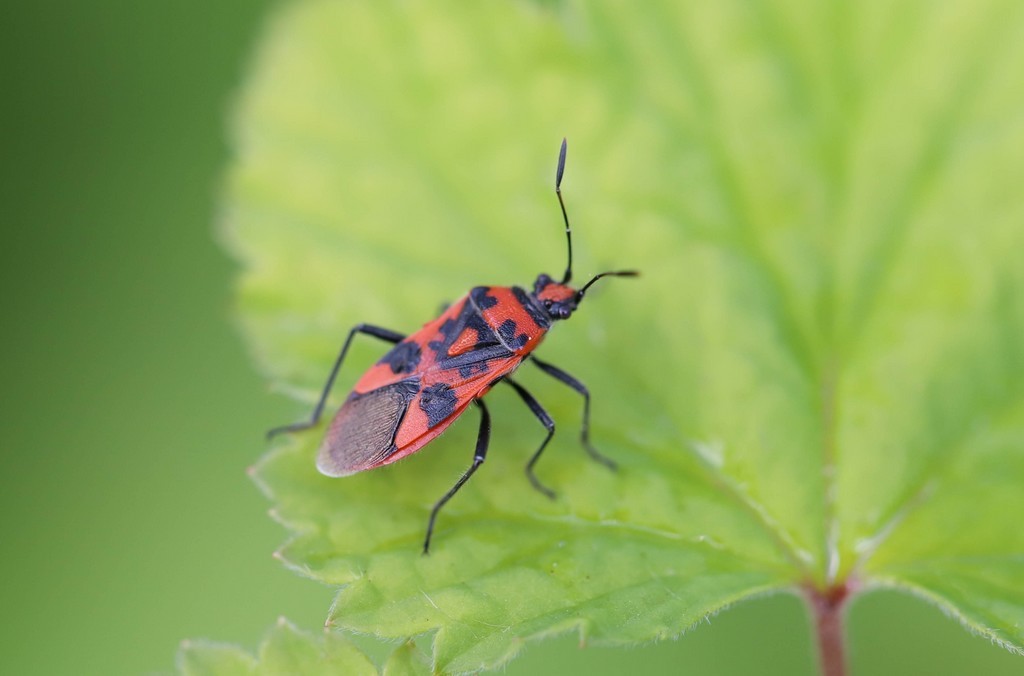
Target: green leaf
[
  {"x": 407, "y": 661},
  {"x": 205, "y": 658},
  {"x": 285, "y": 650},
  {"x": 818, "y": 381}
]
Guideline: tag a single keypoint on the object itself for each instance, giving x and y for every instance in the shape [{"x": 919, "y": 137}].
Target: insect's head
[{"x": 559, "y": 299}]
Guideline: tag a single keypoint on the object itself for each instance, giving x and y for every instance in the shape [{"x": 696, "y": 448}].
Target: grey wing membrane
[{"x": 362, "y": 433}]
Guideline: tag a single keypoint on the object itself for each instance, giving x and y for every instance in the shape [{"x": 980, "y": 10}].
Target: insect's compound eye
[{"x": 547, "y": 305}]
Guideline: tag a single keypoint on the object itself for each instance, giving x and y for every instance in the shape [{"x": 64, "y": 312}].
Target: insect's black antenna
[
  {"x": 615, "y": 273},
  {"x": 565, "y": 216}
]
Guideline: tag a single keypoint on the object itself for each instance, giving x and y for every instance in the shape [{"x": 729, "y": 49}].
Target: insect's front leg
[
  {"x": 564, "y": 377},
  {"x": 368, "y": 329},
  {"x": 483, "y": 438}
]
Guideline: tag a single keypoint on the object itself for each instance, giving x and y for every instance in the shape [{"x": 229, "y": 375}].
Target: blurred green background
[{"x": 130, "y": 409}]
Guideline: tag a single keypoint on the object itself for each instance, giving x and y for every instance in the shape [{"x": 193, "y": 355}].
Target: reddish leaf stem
[{"x": 827, "y": 606}]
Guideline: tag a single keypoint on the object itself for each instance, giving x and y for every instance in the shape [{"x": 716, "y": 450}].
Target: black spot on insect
[
  {"x": 468, "y": 370},
  {"x": 403, "y": 358},
  {"x": 468, "y": 319},
  {"x": 537, "y": 314},
  {"x": 476, "y": 361},
  {"x": 484, "y": 335},
  {"x": 448, "y": 327},
  {"x": 507, "y": 332},
  {"x": 448, "y": 330},
  {"x": 438, "y": 402},
  {"x": 481, "y": 298}
]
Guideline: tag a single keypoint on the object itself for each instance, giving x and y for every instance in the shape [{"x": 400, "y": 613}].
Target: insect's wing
[
  {"x": 441, "y": 401},
  {"x": 362, "y": 433},
  {"x": 396, "y": 420}
]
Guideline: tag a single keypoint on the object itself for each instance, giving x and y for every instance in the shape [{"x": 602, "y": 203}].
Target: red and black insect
[{"x": 430, "y": 378}]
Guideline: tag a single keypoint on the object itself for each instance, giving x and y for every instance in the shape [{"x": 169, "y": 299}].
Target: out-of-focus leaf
[
  {"x": 285, "y": 651},
  {"x": 206, "y": 658},
  {"x": 407, "y": 661}
]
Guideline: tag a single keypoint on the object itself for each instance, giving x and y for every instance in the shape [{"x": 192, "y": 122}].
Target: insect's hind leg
[
  {"x": 483, "y": 438},
  {"x": 564, "y": 377},
  {"x": 368, "y": 329},
  {"x": 549, "y": 425}
]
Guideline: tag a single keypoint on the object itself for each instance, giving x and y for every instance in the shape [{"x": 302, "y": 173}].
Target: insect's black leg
[
  {"x": 561, "y": 375},
  {"x": 549, "y": 425},
  {"x": 368, "y": 329},
  {"x": 482, "y": 439}
]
